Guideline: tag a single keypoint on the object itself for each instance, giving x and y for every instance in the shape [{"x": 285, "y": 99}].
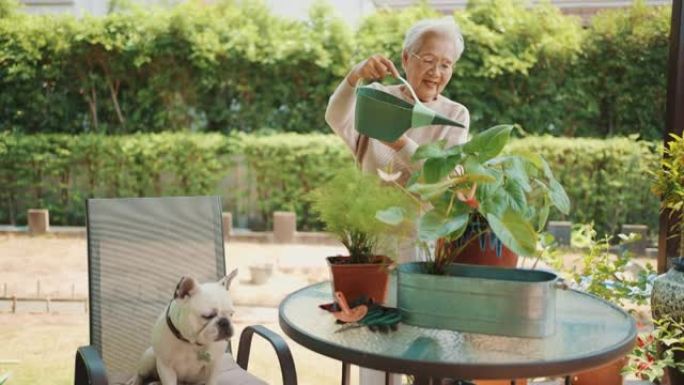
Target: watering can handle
[{"x": 413, "y": 93}]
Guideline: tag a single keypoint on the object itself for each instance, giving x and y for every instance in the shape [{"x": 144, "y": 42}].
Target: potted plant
[
  {"x": 646, "y": 362},
  {"x": 347, "y": 205},
  {"x": 485, "y": 206},
  {"x": 604, "y": 273},
  {"x": 668, "y": 288}
]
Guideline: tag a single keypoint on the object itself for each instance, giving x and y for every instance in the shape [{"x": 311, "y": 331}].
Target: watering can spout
[{"x": 386, "y": 117}]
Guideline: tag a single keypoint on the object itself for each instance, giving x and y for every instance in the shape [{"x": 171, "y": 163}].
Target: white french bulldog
[{"x": 190, "y": 336}]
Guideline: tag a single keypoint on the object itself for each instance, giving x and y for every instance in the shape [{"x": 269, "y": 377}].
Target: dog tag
[{"x": 204, "y": 355}]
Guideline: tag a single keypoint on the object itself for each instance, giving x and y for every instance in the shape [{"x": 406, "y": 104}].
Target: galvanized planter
[{"x": 479, "y": 299}]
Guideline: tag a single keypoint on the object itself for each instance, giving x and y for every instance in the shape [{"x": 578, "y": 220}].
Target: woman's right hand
[{"x": 375, "y": 67}]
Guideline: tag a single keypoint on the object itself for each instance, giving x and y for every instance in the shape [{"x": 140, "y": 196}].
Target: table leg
[{"x": 345, "y": 373}]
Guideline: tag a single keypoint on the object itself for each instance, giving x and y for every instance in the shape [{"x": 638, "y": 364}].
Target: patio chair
[{"x": 138, "y": 248}]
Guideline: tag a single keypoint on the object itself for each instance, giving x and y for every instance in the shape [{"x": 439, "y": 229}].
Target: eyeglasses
[{"x": 429, "y": 61}]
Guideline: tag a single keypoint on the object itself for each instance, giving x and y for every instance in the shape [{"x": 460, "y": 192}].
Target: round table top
[{"x": 589, "y": 333}]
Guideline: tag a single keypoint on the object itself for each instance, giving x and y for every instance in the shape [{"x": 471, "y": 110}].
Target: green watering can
[{"x": 386, "y": 117}]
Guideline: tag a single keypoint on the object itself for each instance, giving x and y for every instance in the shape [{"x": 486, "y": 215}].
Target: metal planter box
[{"x": 479, "y": 299}]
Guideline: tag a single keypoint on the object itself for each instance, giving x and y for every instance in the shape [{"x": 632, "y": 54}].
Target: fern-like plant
[{"x": 349, "y": 204}]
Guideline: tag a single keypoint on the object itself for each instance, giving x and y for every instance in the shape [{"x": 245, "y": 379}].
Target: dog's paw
[{"x": 135, "y": 380}]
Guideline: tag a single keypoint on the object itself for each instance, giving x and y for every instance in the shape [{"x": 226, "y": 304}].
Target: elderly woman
[{"x": 431, "y": 49}]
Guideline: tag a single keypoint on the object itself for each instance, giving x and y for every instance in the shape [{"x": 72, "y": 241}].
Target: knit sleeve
[{"x": 340, "y": 113}]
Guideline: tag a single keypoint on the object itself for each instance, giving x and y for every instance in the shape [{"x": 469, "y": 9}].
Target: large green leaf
[
  {"x": 489, "y": 143},
  {"x": 515, "y": 232},
  {"x": 430, "y": 150},
  {"x": 559, "y": 197},
  {"x": 543, "y": 215},
  {"x": 515, "y": 194},
  {"x": 430, "y": 190},
  {"x": 392, "y": 215},
  {"x": 434, "y": 225},
  {"x": 435, "y": 169},
  {"x": 531, "y": 157},
  {"x": 515, "y": 169}
]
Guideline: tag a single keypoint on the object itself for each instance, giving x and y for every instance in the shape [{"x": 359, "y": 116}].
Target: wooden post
[
  {"x": 668, "y": 247},
  {"x": 284, "y": 226},
  {"x": 38, "y": 221},
  {"x": 14, "y": 303},
  {"x": 47, "y": 304}
]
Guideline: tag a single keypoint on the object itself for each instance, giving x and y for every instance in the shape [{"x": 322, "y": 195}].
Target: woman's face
[{"x": 429, "y": 69}]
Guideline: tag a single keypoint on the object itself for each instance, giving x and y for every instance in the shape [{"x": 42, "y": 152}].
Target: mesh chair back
[{"x": 138, "y": 249}]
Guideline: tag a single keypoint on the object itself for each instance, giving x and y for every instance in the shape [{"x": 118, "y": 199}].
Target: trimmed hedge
[
  {"x": 59, "y": 171},
  {"x": 237, "y": 67},
  {"x": 607, "y": 180}
]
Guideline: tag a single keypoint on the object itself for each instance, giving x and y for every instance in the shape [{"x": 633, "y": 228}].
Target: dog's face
[{"x": 205, "y": 311}]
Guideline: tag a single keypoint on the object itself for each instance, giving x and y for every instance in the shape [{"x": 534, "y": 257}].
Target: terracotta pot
[
  {"x": 360, "y": 279},
  {"x": 608, "y": 374},
  {"x": 475, "y": 254}
]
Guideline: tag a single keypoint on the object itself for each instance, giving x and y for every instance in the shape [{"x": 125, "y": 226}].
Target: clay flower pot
[{"x": 355, "y": 280}]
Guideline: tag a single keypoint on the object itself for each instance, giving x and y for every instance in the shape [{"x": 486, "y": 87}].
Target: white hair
[{"x": 443, "y": 26}]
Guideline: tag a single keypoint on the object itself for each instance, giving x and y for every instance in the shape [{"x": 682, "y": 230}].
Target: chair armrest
[
  {"x": 287, "y": 366},
  {"x": 89, "y": 368}
]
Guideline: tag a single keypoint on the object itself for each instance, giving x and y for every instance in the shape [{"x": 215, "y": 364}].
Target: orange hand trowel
[{"x": 349, "y": 315}]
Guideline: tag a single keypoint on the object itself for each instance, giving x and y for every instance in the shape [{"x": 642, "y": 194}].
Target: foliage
[
  {"x": 286, "y": 167},
  {"x": 8, "y": 8},
  {"x": 518, "y": 65},
  {"x": 604, "y": 178},
  {"x": 603, "y": 269},
  {"x": 58, "y": 171},
  {"x": 473, "y": 183},
  {"x": 646, "y": 362},
  {"x": 4, "y": 378},
  {"x": 217, "y": 67},
  {"x": 234, "y": 66},
  {"x": 623, "y": 64},
  {"x": 348, "y": 204},
  {"x": 669, "y": 182}
]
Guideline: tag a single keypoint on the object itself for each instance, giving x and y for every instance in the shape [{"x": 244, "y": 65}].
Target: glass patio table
[{"x": 590, "y": 332}]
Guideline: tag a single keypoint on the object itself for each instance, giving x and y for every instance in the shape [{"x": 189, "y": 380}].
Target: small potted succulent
[
  {"x": 485, "y": 206},
  {"x": 348, "y": 205}
]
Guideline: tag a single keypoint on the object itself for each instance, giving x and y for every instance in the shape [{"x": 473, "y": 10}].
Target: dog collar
[{"x": 175, "y": 330}]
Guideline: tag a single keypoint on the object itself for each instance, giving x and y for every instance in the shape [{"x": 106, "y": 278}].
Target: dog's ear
[
  {"x": 187, "y": 286},
  {"x": 225, "y": 281}
]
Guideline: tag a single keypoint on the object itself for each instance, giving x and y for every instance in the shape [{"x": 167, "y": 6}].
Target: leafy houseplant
[
  {"x": 348, "y": 204},
  {"x": 474, "y": 192}
]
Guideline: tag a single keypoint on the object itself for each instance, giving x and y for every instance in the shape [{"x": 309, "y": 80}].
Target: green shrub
[
  {"x": 58, "y": 171},
  {"x": 286, "y": 167},
  {"x": 606, "y": 180},
  {"x": 234, "y": 66},
  {"x": 622, "y": 72}
]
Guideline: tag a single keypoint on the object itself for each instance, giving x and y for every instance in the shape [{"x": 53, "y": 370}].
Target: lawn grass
[{"x": 44, "y": 346}]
